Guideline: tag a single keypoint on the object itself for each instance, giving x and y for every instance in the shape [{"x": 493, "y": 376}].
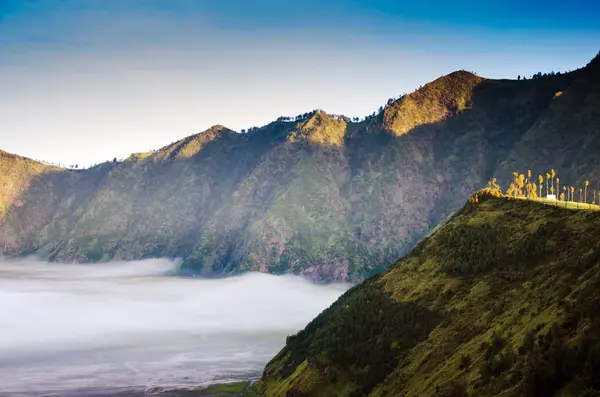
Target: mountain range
[{"x": 323, "y": 196}]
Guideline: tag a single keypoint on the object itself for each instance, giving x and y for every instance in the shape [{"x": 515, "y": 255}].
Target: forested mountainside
[
  {"x": 501, "y": 300},
  {"x": 322, "y": 196}
]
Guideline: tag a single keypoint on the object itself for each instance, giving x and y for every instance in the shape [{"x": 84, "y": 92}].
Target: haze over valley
[{"x": 132, "y": 325}]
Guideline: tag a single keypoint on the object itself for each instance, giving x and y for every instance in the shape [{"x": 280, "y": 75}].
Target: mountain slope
[
  {"x": 319, "y": 196},
  {"x": 501, "y": 300},
  {"x": 565, "y": 136}
]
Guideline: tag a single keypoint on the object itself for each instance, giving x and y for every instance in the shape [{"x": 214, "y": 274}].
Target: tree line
[
  {"x": 307, "y": 115},
  {"x": 540, "y": 75},
  {"x": 524, "y": 185},
  {"x": 76, "y": 167}
]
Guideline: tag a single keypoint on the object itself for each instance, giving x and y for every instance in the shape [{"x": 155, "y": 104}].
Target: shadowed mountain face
[
  {"x": 321, "y": 196},
  {"x": 501, "y": 300}
]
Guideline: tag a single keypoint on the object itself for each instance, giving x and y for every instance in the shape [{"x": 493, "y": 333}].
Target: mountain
[
  {"x": 317, "y": 195},
  {"x": 500, "y": 300}
]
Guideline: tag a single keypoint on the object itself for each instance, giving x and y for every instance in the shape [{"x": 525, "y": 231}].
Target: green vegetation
[
  {"x": 501, "y": 300},
  {"x": 237, "y": 389},
  {"x": 320, "y": 195},
  {"x": 525, "y": 188}
]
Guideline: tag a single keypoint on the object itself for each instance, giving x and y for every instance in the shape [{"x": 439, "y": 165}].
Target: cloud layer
[{"x": 127, "y": 322}]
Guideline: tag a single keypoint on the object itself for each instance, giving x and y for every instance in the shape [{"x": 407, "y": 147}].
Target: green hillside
[
  {"x": 500, "y": 301},
  {"x": 317, "y": 195}
]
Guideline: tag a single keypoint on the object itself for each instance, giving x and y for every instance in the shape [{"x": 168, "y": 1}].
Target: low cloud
[
  {"x": 71, "y": 306},
  {"x": 64, "y": 315}
]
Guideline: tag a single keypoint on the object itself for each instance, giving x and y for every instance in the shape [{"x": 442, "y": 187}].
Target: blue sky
[{"x": 85, "y": 81}]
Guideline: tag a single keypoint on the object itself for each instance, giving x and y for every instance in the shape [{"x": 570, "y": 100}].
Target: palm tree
[
  {"x": 564, "y": 190},
  {"x": 580, "y": 194},
  {"x": 557, "y": 185},
  {"x": 562, "y": 197},
  {"x": 541, "y": 179},
  {"x": 552, "y": 174},
  {"x": 572, "y": 193},
  {"x": 587, "y": 183},
  {"x": 547, "y": 177}
]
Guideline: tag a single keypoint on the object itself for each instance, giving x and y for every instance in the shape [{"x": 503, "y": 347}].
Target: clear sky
[{"x": 83, "y": 81}]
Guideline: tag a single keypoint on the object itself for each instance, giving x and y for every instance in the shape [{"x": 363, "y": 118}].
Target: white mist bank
[{"x": 117, "y": 323}]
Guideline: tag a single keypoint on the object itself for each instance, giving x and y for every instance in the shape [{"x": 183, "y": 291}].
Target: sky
[{"x": 83, "y": 81}]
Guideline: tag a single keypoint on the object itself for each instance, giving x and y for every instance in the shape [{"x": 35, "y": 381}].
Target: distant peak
[
  {"x": 191, "y": 145},
  {"x": 217, "y": 128},
  {"x": 461, "y": 73},
  {"x": 435, "y": 101},
  {"x": 320, "y": 128}
]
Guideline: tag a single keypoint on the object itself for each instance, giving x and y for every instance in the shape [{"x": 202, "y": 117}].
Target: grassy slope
[
  {"x": 320, "y": 197},
  {"x": 16, "y": 175},
  {"x": 501, "y": 300}
]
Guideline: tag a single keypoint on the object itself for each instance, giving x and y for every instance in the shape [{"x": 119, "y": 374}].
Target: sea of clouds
[{"x": 121, "y": 324}]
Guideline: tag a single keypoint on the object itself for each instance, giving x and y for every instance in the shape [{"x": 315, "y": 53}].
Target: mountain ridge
[
  {"x": 319, "y": 195},
  {"x": 417, "y": 95}
]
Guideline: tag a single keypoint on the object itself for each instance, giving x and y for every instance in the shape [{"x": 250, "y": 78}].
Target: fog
[{"x": 131, "y": 324}]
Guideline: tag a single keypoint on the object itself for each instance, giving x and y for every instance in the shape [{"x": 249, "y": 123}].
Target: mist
[{"x": 131, "y": 324}]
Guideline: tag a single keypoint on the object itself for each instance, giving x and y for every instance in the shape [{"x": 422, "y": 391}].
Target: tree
[
  {"x": 594, "y": 202},
  {"x": 572, "y": 193},
  {"x": 580, "y": 194},
  {"x": 564, "y": 190},
  {"x": 521, "y": 184},
  {"x": 519, "y": 77},
  {"x": 552, "y": 174},
  {"x": 511, "y": 190},
  {"x": 532, "y": 190},
  {"x": 547, "y": 177},
  {"x": 495, "y": 186},
  {"x": 562, "y": 197},
  {"x": 541, "y": 179},
  {"x": 557, "y": 185},
  {"x": 587, "y": 183}
]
